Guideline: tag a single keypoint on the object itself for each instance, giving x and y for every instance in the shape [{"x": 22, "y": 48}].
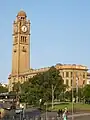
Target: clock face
[{"x": 24, "y": 28}]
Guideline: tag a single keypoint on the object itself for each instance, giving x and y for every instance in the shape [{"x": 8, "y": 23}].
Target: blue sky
[{"x": 60, "y": 32}]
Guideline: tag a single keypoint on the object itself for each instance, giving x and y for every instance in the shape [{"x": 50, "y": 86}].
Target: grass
[{"x": 77, "y": 107}]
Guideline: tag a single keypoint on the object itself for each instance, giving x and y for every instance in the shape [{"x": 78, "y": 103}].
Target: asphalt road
[
  {"x": 50, "y": 116},
  {"x": 81, "y": 118},
  {"x": 78, "y": 116}
]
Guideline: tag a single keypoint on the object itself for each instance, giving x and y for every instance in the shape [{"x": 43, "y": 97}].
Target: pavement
[
  {"x": 80, "y": 118},
  {"x": 50, "y": 115},
  {"x": 76, "y": 116},
  {"x": 69, "y": 114}
]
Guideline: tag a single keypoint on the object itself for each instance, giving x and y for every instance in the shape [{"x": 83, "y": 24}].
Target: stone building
[
  {"x": 21, "y": 58},
  {"x": 88, "y": 78}
]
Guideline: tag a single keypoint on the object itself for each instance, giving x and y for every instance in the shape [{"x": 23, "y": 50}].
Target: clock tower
[{"x": 21, "y": 44}]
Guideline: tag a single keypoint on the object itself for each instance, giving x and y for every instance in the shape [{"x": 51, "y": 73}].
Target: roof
[{"x": 21, "y": 13}]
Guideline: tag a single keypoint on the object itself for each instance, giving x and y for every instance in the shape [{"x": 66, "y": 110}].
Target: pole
[
  {"x": 72, "y": 96},
  {"x": 20, "y": 116},
  {"x": 23, "y": 110},
  {"x": 72, "y": 103},
  {"x": 77, "y": 89},
  {"x": 52, "y": 95},
  {"x": 46, "y": 111}
]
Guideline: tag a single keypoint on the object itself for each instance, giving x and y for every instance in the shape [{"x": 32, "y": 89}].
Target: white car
[{"x": 18, "y": 110}]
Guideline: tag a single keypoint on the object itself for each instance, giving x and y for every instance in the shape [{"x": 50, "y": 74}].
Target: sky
[{"x": 60, "y": 32}]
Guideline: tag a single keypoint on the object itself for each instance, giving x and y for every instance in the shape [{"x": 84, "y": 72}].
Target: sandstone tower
[
  {"x": 21, "y": 44},
  {"x": 20, "y": 49}
]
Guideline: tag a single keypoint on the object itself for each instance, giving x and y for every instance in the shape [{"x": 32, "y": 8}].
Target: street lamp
[
  {"x": 77, "y": 89},
  {"x": 52, "y": 96},
  {"x": 46, "y": 109},
  {"x": 72, "y": 95},
  {"x": 72, "y": 103},
  {"x": 40, "y": 102}
]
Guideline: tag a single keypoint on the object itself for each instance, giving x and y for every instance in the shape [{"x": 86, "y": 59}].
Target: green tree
[
  {"x": 40, "y": 86},
  {"x": 86, "y": 91},
  {"x": 68, "y": 94},
  {"x": 3, "y": 89},
  {"x": 17, "y": 87},
  {"x": 17, "y": 90}
]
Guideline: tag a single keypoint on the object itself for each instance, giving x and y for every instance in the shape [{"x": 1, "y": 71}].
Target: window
[
  {"x": 25, "y": 39},
  {"x": 83, "y": 75},
  {"x": 71, "y": 82},
  {"x": 83, "y": 82},
  {"x": 71, "y": 74},
  {"x": 63, "y": 74},
  {"x": 67, "y": 74},
  {"x": 21, "y": 38},
  {"x": 22, "y": 18},
  {"x": 20, "y": 22},
  {"x": 66, "y": 81},
  {"x": 23, "y": 49}
]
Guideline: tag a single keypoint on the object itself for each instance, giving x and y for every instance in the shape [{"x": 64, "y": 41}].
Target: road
[
  {"x": 81, "y": 118},
  {"x": 78, "y": 116},
  {"x": 50, "y": 116}
]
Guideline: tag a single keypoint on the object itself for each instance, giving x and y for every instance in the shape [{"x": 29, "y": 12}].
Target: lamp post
[
  {"x": 46, "y": 110},
  {"x": 72, "y": 95},
  {"x": 77, "y": 89},
  {"x": 72, "y": 103},
  {"x": 40, "y": 103},
  {"x": 52, "y": 96}
]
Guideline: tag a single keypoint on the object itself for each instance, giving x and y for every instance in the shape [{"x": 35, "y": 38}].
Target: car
[{"x": 19, "y": 110}]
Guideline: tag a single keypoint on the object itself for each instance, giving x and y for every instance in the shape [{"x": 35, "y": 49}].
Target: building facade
[
  {"x": 88, "y": 78},
  {"x": 21, "y": 58}
]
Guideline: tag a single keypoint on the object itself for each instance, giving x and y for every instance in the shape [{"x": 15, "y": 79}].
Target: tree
[
  {"x": 3, "y": 89},
  {"x": 17, "y": 87},
  {"x": 40, "y": 86},
  {"x": 86, "y": 91},
  {"x": 68, "y": 94},
  {"x": 17, "y": 90}
]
